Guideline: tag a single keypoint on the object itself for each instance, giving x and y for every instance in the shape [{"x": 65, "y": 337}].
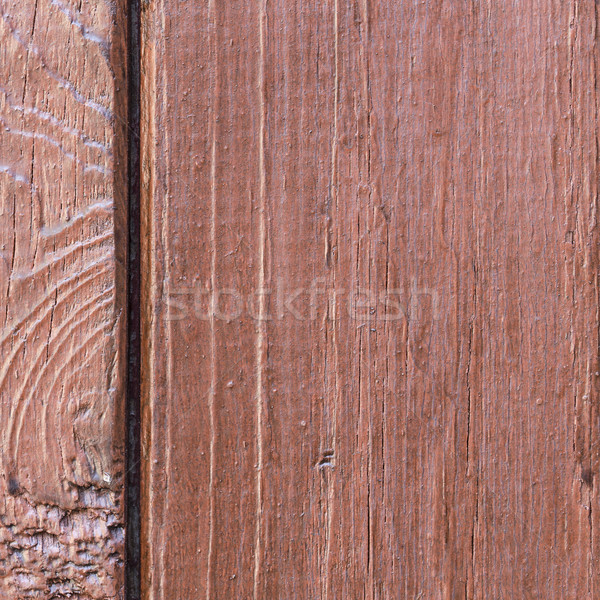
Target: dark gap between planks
[{"x": 132, "y": 480}]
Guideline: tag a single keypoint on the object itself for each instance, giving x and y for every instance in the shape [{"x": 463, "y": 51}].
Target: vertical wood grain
[
  {"x": 371, "y": 299},
  {"x": 63, "y": 194}
]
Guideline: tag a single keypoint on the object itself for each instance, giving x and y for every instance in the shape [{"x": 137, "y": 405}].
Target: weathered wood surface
[
  {"x": 62, "y": 259},
  {"x": 404, "y": 195}
]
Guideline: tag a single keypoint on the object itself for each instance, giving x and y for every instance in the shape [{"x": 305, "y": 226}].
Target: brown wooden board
[
  {"x": 63, "y": 195},
  {"x": 370, "y": 329}
]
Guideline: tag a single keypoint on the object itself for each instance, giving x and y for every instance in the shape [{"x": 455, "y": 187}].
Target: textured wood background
[
  {"x": 432, "y": 166},
  {"x": 63, "y": 147},
  {"x": 370, "y": 299}
]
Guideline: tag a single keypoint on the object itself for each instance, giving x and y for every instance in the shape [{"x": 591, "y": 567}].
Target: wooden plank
[
  {"x": 63, "y": 195},
  {"x": 206, "y": 417},
  {"x": 371, "y": 299}
]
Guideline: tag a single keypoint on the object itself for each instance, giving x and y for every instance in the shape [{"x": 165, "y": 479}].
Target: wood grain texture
[
  {"x": 371, "y": 299},
  {"x": 63, "y": 172}
]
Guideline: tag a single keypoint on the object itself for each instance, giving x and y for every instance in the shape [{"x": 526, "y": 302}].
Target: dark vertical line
[{"x": 133, "y": 557}]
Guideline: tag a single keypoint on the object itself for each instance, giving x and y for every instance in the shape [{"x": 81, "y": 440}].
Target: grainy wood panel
[
  {"x": 371, "y": 299},
  {"x": 63, "y": 109}
]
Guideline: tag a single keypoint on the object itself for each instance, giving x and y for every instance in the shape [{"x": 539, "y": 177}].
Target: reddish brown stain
[
  {"x": 369, "y": 299},
  {"x": 438, "y": 443}
]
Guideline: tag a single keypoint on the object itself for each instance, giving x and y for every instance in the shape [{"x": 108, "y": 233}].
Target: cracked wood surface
[
  {"x": 62, "y": 260},
  {"x": 404, "y": 196}
]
